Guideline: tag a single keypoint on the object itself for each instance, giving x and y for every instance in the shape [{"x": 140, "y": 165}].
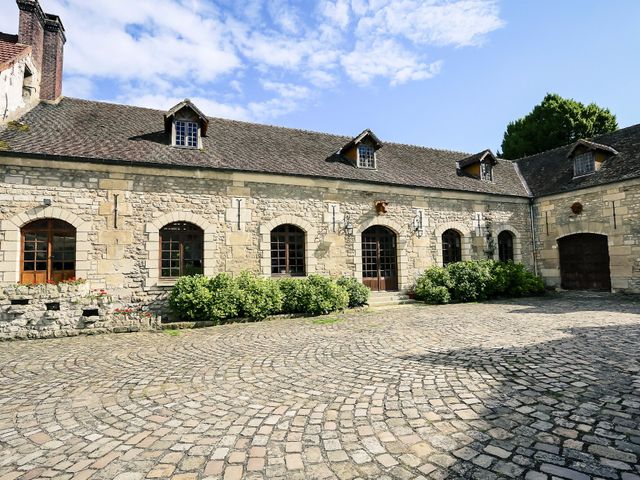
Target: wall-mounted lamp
[
  {"x": 348, "y": 226},
  {"x": 418, "y": 224},
  {"x": 46, "y": 202}
]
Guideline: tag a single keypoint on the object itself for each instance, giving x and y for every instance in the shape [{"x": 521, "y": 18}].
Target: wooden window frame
[
  {"x": 289, "y": 232},
  {"x": 64, "y": 229},
  {"x": 368, "y": 161},
  {"x": 182, "y": 236},
  {"x": 486, "y": 171},
  {"x": 584, "y": 164},
  {"x": 188, "y": 125}
]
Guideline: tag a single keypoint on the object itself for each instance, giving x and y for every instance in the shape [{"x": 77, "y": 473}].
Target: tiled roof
[
  {"x": 552, "y": 172},
  {"x": 10, "y": 51},
  {"x": 109, "y": 132}
]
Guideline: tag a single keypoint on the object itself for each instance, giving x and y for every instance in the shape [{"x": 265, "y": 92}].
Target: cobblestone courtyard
[{"x": 535, "y": 389}]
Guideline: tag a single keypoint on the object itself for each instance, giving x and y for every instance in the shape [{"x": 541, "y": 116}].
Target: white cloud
[
  {"x": 461, "y": 23},
  {"x": 386, "y": 59},
  {"x": 254, "y": 59},
  {"x": 338, "y": 12},
  {"x": 80, "y": 87}
]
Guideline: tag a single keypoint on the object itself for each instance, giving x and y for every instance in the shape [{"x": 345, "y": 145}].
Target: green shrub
[
  {"x": 357, "y": 291},
  {"x": 476, "y": 281},
  {"x": 198, "y": 298},
  {"x": 190, "y": 298},
  {"x": 470, "y": 280},
  {"x": 321, "y": 295},
  {"x": 431, "y": 290},
  {"x": 259, "y": 297},
  {"x": 293, "y": 293}
]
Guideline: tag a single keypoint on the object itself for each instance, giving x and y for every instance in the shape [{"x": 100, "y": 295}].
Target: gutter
[{"x": 132, "y": 163}]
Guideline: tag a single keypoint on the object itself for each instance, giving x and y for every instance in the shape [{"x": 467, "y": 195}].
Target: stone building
[{"x": 131, "y": 198}]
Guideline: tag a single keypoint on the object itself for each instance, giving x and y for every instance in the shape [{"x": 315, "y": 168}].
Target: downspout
[
  {"x": 531, "y": 218},
  {"x": 533, "y": 237}
]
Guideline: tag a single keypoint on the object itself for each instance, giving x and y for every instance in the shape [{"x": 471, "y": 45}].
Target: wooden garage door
[{"x": 584, "y": 262}]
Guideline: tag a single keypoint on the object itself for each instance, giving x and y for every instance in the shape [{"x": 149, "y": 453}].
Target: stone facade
[
  {"x": 120, "y": 251},
  {"x": 554, "y": 219}
]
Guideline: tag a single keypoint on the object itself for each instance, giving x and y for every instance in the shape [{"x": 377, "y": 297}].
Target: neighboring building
[
  {"x": 587, "y": 212},
  {"x": 131, "y": 198},
  {"x": 30, "y": 62}
]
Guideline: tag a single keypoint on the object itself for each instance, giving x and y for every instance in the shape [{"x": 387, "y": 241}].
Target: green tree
[{"x": 556, "y": 121}]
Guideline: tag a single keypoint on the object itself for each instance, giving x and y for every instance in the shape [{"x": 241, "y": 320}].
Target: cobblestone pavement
[{"x": 541, "y": 388}]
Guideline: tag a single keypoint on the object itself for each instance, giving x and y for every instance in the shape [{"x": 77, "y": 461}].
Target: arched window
[
  {"x": 451, "y": 247},
  {"x": 48, "y": 251},
  {"x": 182, "y": 249},
  {"x": 287, "y": 251},
  {"x": 505, "y": 246}
]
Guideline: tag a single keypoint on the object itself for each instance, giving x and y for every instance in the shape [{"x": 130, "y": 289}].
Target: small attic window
[
  {"x": 186, "y": 134},
  {"x": 366, "y": 156},
  {"x": 584, "y": 164},
  {"x": 486, "y": 171},
  {"x": 27, "y": 83}
]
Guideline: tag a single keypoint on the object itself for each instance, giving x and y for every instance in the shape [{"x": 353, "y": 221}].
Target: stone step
[{"x": 388, "y": 299}]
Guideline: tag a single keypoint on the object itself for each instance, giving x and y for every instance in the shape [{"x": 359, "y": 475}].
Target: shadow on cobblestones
[
  {"x": 568, "y": 407},
  {"x": 568, "y": 302}
]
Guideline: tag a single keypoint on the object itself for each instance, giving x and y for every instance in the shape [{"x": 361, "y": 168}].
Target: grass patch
[
  {"x": 4, "y": 145},
  {"x": 18, "y": 126},
  {"x": 172, "y": 332},
  {"x": 325, "y": 320}
]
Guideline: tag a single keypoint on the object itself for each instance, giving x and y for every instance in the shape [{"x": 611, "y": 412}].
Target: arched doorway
[
  {"x": 379, "y": 258},
  {"x": 505, "y": 246},
  {"x": 451, "y": 247},
  {"x": 584, "y": 262}
]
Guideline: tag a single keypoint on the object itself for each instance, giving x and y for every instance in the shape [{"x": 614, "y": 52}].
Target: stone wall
[
  {"x": 119, "y": 250},
  {"x": 66, "y": 309},
  {"x": 555, "y": 219}
]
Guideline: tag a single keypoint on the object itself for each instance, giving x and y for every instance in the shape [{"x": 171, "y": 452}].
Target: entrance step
[{"x": 389, "y": 299}]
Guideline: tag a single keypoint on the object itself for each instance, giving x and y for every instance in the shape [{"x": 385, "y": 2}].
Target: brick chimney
[
  {"x": 45, "y": 33},
  {"x": 54, "y": 40}
]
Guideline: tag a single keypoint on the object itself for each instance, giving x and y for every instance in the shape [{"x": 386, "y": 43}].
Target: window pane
[{"x": 366, "y": 156}]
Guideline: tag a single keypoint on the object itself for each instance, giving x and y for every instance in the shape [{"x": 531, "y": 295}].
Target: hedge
[
  {"x": 222, "y": 297},
  {"x": 476, "y": 280}
]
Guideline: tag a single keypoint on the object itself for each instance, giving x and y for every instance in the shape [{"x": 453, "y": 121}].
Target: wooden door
[
  {"x": 584, "y": 262},
  {"x": 379, "y": 259}
]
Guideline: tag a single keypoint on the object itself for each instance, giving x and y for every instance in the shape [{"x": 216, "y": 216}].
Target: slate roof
[
  {"x": 103, "y": 132},
  {"x": 10, "y": 50},
  {"x": 552, "y": 171}
]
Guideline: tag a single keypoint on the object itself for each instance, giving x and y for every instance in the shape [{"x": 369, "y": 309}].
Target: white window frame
[
  {"x": 486, "y": 175},
  {"x": 191, "y": 137},
  {"x": 584, "y": 164},
  {"x": 368, "y": 162}
]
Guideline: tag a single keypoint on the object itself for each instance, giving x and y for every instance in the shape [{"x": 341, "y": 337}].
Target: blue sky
[{"x": 441, "y": 73}]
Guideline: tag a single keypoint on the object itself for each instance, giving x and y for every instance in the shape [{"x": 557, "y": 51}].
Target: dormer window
[
  {"x": 479, "y": 165},
  {"x": 584, "y": 164},
  {"x": 589, "y": 156},
  {"x": 186, "y": 125},
  {"x": 186, "y": 134},
  {"x": 486, "y": 172},
  {"x": 366, "y": 156},
  {"x": 361, "y": 150}
]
